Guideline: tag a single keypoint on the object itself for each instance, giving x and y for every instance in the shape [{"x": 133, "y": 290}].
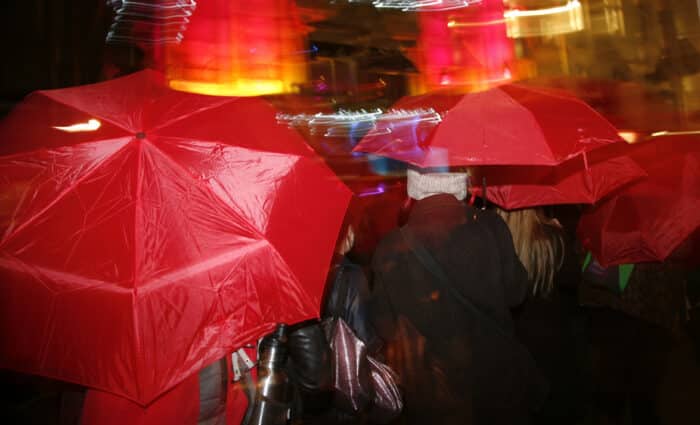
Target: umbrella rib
[
  {"x": 179, "y": 118},
  {"x": 60, "y": 196},
  {"x": 49, "y": 94},
  {"x": 537, "y": 123},
  {"x": 207, "y": 187},
  {"x": 134, "y": 287}
]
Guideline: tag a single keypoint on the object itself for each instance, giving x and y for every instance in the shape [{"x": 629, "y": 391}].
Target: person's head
[
  {"x": 539, "y": 244},
  {"x": 423, "y": 183}
]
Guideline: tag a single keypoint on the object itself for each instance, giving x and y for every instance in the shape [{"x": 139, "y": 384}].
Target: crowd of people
[
  {"x": 490, "y": 316},
  {"x": 485, "y": 316}
]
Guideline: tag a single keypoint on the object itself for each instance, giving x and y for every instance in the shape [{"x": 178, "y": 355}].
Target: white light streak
[
  {"x": 423, "y": 5},
  {"x": 360, "y": 123},
  {"x": 402, "y": 119},
  {"x": 91, "y": 125},
  {"x": 141, "y": 20},
  {"x": 674, "y": 133}
]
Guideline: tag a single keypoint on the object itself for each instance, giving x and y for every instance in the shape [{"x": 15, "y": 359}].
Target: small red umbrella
[
  {"x": 580, "y": 180},
  {"x": 648, "y": 219},
  {"x": 145, "y": 232},
  {"x": 507, "y": 125}
]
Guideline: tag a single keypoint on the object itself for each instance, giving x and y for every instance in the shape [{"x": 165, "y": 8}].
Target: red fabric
[
  {"x": 507, "y": 125},
  {"x": 177, "y": 406},
  {"x": 647, "y": 220},
  {"x": 136, "y": 253},
  {"x": 580, "y": 180}
]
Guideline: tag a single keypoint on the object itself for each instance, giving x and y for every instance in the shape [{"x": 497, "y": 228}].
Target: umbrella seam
[
  {"x": 137, "y": 245},
  {"x": 50, "y": 95},
  {"x": 63, "y": 194},
  {"x": 174, "y": 120},
  {"x": 537, "y": 123}
]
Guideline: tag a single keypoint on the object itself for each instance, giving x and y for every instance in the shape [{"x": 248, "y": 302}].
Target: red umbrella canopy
[
  {"x": 145, "y": 232},
  {"x": 648, "y": 219},
  {"x": 581, "y": 180},
  {"x": 506, "y": 125}
]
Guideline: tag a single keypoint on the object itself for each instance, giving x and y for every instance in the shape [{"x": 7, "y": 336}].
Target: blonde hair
[{"x": 538, "y": 243}]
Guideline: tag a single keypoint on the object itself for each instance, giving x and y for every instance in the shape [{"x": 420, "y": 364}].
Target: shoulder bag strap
[{"x": 429, "y": 262}]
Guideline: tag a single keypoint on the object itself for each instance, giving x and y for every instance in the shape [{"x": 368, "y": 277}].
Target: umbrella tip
[{"x": 140, "y": 135}]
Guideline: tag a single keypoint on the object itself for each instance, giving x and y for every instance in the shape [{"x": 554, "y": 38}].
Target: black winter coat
[{"x": 455, "y": 367}]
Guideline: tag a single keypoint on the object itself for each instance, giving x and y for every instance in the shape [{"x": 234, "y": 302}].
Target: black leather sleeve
[{"x": 309, "y": 365}]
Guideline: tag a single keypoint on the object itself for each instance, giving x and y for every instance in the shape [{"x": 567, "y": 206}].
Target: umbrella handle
[{"x": 483, "y": 192}]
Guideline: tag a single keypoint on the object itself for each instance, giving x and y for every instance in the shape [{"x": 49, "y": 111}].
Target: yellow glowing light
[
  {"x": 568, "y": 7},
  {"x": 673, "y": 133},
  {"x": 550, "y": 21},
  {"x": 454, "y": 24},
  {"x": 91, "y": 125},
  {"x": 240, "y": 87},
  {"x": 629, "y": 136}
]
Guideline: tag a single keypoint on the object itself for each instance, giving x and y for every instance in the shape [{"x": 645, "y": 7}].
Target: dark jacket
[
  {"x": 555, "y": 330},
  {"x": 460, "y": 370},
  {"x": 348, "y": 298},
  {"x": 310, "y": 367}
]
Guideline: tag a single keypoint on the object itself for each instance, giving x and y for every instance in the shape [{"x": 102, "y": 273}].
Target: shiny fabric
[
  {"x": 580, "y": 180},
  {"x": 648, "y": 219},
  {"x": 136, "y": 252},
  {"x": 507, "y": 125},
  {"x": 361, "y": 382},
  {"x": 351, "y": 372}
]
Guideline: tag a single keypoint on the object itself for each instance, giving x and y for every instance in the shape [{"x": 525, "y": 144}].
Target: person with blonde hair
[
  {"x": 550, "y": 323},
  {"x": 539, "y": 243}
]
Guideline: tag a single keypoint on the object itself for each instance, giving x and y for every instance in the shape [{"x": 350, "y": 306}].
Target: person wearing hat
[{"x": 444, "y": 283}]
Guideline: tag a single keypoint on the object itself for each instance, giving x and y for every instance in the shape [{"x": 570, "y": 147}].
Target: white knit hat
[{"x": 421, "y": 185}]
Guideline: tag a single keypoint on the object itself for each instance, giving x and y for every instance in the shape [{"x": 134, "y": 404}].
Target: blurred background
[{"x": 636, "y": 61}]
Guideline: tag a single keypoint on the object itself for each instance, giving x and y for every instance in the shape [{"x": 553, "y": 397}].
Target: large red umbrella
[
  {"x": 580, "y": 180},
  {"x": 650, "y": 218},
  {"x": 145, "y": 232},
  {"x": 507, "y": 125}
]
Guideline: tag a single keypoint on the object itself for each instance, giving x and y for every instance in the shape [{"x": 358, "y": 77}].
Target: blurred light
[
  {"x": 352, "y": 123},
  {"x": 91, "y": 125},
  {"x": 549, "y": 21},
  {"x": 239, "y": 48},
  {"x": 454, "y": 24},
  {"x": 153, "y": 22},
  {"x": 423, "y": 5},
  {"x": 400, "y": 119},
  {"x": 466, "y": 48},
  {"x": 629, "y": 136},
  {"x": 241, "y": 87},
  {"x": 571, "y": 5},
  {"x": 340, "y": 124},
  {"x": 674, "y": 133},
  {"x": 369, "y": 192},
  {"x": 444, "y": 79}
]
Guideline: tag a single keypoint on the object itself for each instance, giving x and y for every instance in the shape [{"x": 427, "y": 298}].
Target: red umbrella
[
  {"x": 580, "y": 180},
  {"x": 649, "y": 219},
  {"x": 145, "y": 232},
  {"x": 507, "y": 125}
]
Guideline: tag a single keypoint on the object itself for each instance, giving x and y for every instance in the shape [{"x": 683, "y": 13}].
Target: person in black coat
[
  {"x": 457, "y": 366},
  {"x": 550, "y": 323}
]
